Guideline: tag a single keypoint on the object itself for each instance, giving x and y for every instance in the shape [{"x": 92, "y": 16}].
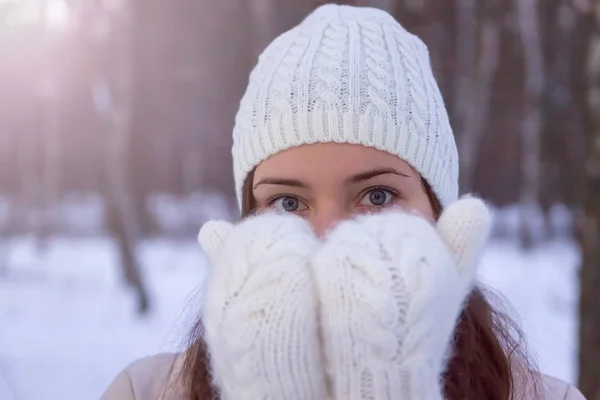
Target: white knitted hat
[{"x": 347, "y": 75}]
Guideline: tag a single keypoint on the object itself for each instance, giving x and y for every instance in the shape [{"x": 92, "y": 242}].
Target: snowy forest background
[{"x": 115, "y": 130}]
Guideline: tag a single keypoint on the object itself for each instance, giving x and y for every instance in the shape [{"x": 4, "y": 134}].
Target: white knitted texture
[
  {"x": 347, "y": 75},
  {"x": 390, "y": 294},
  {"x": 260, "y": 310}
]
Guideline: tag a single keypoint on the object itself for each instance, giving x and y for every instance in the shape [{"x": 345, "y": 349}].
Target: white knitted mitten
[
  {"x": 260, "y": 309},
  {"x": 391, "y": 288}
]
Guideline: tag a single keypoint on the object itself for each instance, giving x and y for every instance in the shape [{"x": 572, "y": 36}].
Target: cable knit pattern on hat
[
  {"x": 347, "y": 75},
  {"x": 391, "y": 288},
  {"x": 260, "y": 309}
]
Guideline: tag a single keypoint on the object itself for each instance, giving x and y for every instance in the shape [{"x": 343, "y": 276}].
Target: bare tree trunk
[
  {"x": 589, "y": 328},
  {"x": 263, "y": 17},
  {"x": 558, "y": 28},
  {"x": 6, "y": 219},
  {"x": 191, "y": 170},
  {"x": 387, "y": 5},
  {"x": 113, "y": 95},
  {"x": 122, "y": 218},
  {"x": 29, "y": 199},
  {"x": 466, "y": 53},
  {"x": 473, "y": 91},
  {"x": 532, "y": 116},
  {"x": 121, "y": 214},
  {"x": 227, "y": 76},
  {"x": 51, "y": 165},
  {"x": 142, "y": 37},
  {"x": 50, "y": 171},
  {"x": 127, "y": 228}
]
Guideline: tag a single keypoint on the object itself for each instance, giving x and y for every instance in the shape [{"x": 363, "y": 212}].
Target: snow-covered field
[{"x": 67, "y": 325}]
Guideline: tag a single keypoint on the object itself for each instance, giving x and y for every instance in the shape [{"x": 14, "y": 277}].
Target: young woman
[{"x": 351, "y": 274}]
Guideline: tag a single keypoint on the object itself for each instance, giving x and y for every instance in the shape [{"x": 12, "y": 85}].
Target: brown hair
[{"x": 489, "y": 350}]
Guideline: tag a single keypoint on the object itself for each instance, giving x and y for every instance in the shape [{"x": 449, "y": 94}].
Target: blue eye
[
  {"x": 288, "y": 204},
  {"x": 377, "y": 197}
]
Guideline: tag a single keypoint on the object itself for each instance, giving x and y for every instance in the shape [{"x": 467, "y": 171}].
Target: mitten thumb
[
  {"x": 465, "y": 226},
  {"x": 211, "y": 237}
]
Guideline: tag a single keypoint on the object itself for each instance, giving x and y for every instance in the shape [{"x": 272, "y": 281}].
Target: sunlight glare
[{"x": 55, "y": 16}]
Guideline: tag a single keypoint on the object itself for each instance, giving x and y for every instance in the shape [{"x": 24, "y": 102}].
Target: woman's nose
[{"x": 326, "y": 218}]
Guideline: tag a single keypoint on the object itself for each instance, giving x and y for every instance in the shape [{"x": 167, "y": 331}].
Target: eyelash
[
  {"x": 273, "y": 199},
  {"x": 393, "y": 192}
]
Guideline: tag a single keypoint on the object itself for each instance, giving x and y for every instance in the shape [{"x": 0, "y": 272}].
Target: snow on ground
[
  {"x": 541, "y": 288},
  {"x": 67, "y": 326}
]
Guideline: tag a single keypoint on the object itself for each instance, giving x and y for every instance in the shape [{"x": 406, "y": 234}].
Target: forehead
[{"x": 328, "y": 160}]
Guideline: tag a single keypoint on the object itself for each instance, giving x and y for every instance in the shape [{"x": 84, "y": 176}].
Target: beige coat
[{"x": 148, "y": 379}]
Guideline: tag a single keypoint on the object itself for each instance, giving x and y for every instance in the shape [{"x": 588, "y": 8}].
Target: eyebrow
[
  {"x": 280, "y": 182},
  {"x": 363, "y": 176}
]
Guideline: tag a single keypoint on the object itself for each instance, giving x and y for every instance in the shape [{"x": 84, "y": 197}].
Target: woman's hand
[
  {"x": 391, "y": 287},
  {"x": 260, "y": 309}
]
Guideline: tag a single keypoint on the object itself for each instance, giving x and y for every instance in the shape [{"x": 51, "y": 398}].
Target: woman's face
[{"x": 329, "y": 182}]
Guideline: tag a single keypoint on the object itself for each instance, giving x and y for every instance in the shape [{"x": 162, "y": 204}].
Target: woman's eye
[
  {"x": 288, "y": 204},
  {"x": 377, "y": 198}
]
